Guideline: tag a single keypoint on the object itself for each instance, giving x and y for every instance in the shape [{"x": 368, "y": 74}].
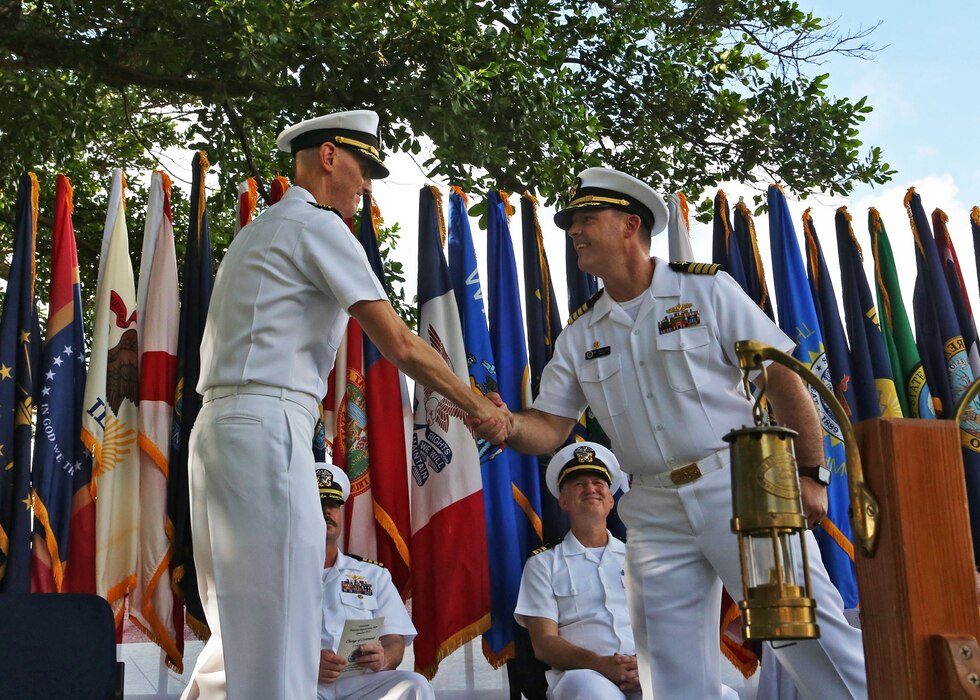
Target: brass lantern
[{"x": 767, "y": 513}]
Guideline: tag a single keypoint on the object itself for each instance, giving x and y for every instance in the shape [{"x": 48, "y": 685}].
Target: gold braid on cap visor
[
  {"x": 595, "y": 199},
  {"x": 358, "y": 144}
]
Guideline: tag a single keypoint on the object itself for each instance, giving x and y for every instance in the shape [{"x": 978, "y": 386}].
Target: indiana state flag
[
  {"x": 748, "y": 246},
  {"x": 957, "y": 288},
  {"x": 18, "y": 361},
  {"x": 506, "y": 562},
  {"x": 450, "y": 583},
  {"x": 944, "y": 353},
  {"x": 903, "y": 355},
  {"x": 798, "y": 320},
  {"x": 724, "y": 245},
  {"x": 59, "y": 455},
  {"x": 510, "y": 352},
  {"x": 873, "y": 378}
]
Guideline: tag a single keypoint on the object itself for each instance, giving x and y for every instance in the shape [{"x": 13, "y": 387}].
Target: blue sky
[{"x": 926, "y": 119}]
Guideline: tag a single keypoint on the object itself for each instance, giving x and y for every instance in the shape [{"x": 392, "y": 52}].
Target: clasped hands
[{"x": 494, "y": 422}]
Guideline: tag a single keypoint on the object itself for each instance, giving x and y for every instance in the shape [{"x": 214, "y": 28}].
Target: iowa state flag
[
  {"x": 748, "y": 246},
  {"x": 903, "y": 355},
  {"x": 158, "y": 320},
  {"x": 63, "y": 506},
  {"x": 944, "y": 353},
  {"x": 450, "y": 583},
  {"x": 798, "y": 319},
  {"x": 724, "y": 245},
  {"x": 510, "y": 352},
  {"x": 110, "y": 420},
  {"x": 505, "y": 560},
  {"x": 384, "y": 392},
  {"x": 19, "y": 352},
  {"x": 957, "y": 288},
  {"x": 873, "y": 379},
  {"x": 198, "y": 280}
]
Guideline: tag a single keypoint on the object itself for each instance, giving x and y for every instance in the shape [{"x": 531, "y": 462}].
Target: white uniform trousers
[
  {"x": 586, "y": 684},
  {"x": 680, "y": 543},
  {"x": 259, "y": 541},
  {"x": 385, "y": 685}
]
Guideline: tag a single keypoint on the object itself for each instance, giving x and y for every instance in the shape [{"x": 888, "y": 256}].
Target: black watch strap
[{"x": 819, "y": 474}]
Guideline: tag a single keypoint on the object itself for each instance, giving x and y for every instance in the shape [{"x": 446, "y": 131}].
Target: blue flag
[
  {"x": 748, "y": 246},
  {"x": 581, "y": 285},
  {"x": 724, "y": 245},
  {"x": 198, "y": 280},
  {"x": 18, "y": 359},
  {"x": 957, "y": 288},
  {"x": 510, "y": 352},
  {"x": 943, "y": 352},
  {"x": 505, "y": 559},
  {"x": 59, "y": 455},
  {"x": 798, "y": 319},
  {"x": 873, "y": 379}
]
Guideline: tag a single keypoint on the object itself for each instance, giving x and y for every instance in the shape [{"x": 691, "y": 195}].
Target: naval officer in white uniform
[
  {"x": 653, "y": 356},
  {"x": 280, "y": 305},
  {"x": 360, "y": 589}
]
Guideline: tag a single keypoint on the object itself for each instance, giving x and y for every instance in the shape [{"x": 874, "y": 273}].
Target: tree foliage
[{"x": 515, "y": 94}]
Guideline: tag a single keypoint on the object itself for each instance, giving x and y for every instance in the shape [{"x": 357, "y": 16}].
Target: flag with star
[
  {"x": 957, "y": 288},
  {"x": 748, "y": 246},
  {"x": 903, "y": 355},
  {"x": 798, "y": 319},
  {"x": 110, "y": 418},
  {"x": 198, "y": 279},
  {"x": 873, "y": 380},
  {"x": 724, "y": 244},
  {"x": 943, "y": 351},
  {"x": 449, "y": 535},
  {"x": 510, "y": 352},
  {"x": 18, "y": 361},
  {"x": 158, "y": 314},
  {"x": 839, "y": 559},
  {"x": 504, "y": 558},
  {"x": 63, "y": 508}
]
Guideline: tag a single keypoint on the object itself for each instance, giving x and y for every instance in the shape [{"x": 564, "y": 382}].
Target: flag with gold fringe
[
  {"x": 903, "y": 355},
  {"x": 158, "y": 320},
  {"x": 280, "y": 183},
  {"x": 748, "y": 246},
  {"x": 943, "y": 351},
  {"x": 724, "y": 245},
  {"x": 504, "y": 557},
  {"x": 957, "y": 288},
  {"x": 679, "y": 229},
  {"x": 198, "y": 280},
  {"x": 449, "y": 539},
  {"x": 62, "y": 466},
  {"x": 110, "y": 421},
  {"x": 19, "y": 355},
  {"x": 248, "y": 200},
  {"x": 834, "y": 537}
]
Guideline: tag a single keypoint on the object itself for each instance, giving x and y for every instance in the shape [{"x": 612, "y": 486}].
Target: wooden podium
[{"x": 919, "y": 608}]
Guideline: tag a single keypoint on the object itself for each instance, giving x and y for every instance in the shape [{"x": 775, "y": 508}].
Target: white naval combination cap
[
  {"x": 583, "y": 457},
  {"x": 332, "y": 482},
  {"x": 356, "y": 130},
  {"x": 605, "y": 188}
]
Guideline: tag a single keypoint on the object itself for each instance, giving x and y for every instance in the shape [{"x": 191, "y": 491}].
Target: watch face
[{"x": 823, "y": 475}]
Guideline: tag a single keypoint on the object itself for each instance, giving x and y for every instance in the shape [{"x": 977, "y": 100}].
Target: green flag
[{"x": 910, "y": 378}]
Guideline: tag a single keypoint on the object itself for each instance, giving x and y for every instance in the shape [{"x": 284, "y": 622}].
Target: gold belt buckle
[{"x": 685, "y": 475}]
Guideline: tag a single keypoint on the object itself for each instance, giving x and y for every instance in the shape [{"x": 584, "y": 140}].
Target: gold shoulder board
[{"x": 696, "y": 268}]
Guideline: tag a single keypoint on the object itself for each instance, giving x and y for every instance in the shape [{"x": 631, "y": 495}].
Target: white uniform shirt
[
  {"x": 360, "y": 590},
  {"x": 665, "y": 399},
  {"x": 279, "y": 306},
  {"x": 584, "y": 595}
]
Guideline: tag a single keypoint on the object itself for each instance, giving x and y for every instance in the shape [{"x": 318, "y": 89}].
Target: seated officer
[
  {"x": 572, "y": 599},
  {"x": 359, "y": 589}
]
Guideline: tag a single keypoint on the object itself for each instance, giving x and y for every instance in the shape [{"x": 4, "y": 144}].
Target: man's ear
[
  {"x": 631, "y": 225},
  {"x": 328, "y": 156}
]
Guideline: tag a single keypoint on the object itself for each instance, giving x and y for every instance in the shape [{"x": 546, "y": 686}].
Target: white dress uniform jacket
[
  {"x": 277, "y": 313},
  {"x": 675, "y": 369},
  {"x": 354, "y": 589},
  {"x": 585, "y": 596}
]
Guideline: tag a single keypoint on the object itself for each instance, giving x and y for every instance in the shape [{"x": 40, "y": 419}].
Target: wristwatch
[{"x": 819, "y": 474}]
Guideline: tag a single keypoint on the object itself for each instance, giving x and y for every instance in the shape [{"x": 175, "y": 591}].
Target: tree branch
[{"x": 239, "y": 129}]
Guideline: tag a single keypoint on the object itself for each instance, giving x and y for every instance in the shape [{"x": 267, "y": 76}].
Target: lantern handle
[{"x": 864, "y": 510}]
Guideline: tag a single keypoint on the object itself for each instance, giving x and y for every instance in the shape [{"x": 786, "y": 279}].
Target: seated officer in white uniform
[
  {"x": 572, "y": 599},
  {"x": 359, "y": 589}
]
